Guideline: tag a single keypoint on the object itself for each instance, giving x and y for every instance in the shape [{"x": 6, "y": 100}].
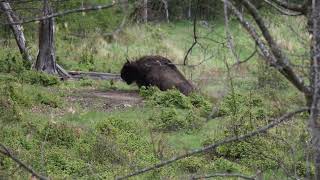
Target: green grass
[{"x": 88, "y": 142}]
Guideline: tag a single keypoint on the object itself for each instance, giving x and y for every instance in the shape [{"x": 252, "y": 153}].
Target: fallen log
[{"x": 94, "y": 75}]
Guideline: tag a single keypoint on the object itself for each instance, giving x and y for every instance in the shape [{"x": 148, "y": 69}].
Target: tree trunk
[
  {"x": 17, "y": 30},
  {"x": 46, "y": 60},
  {"x": 145, "y": 11},
  {"x": 165, "y": 2},
  {"x": 314, "y": 122},
  {"x": 189, "y": 9}
]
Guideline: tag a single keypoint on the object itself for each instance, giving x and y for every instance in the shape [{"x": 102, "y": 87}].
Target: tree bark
[
  {"x": 46, "y": 60},
  {"x": 314, "y": 121},
  {"x": 165, "y": 2},
  {"x": 145, "y": 11},
  {"x": 189, "y": 9},
  {"x": 17, "y": 30}
]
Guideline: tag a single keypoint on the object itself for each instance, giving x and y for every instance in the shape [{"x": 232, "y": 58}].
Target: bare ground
[{"x": 106, "y": 100}]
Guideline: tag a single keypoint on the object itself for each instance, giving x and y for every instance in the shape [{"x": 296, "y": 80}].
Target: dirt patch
[{"x": 107, "y": 100}]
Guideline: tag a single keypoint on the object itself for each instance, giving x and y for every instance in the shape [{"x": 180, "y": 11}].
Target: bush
[
  {"x": 169, "y": 119},
  {"x": 192, "y": 164},
  {"x": 34, "y": 77},
  {"x": 11, "y": 64},
  {"x": 107, "y": 150},
  {"x": 9, "y": 110},
  {"x": 87, "y": 60},
  {"x": 173, "y": 98},
  {"x": 269, "y": 77},
  {"x": 245, "y": 113},
  {"x": 59, "y": 134},
  {"x": 169, "y": 98},
  {"x": 48, "y": 99}
]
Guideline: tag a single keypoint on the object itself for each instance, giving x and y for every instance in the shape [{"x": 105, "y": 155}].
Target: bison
[{"x": 155, "y": 71}]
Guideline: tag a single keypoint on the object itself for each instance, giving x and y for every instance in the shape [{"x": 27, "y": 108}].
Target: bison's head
[{"x": 129, "y": 72}]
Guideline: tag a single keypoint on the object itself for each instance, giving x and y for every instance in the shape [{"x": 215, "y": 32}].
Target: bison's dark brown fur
[{"x": 155, "y": 71}]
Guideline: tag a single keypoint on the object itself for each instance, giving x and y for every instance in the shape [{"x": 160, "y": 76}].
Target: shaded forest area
[{"x": 65, "y": 112}]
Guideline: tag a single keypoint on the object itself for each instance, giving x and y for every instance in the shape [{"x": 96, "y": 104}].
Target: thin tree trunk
[
  {"x": 189, "y": 9},
  {"x": 165, "y": 2},
  {"x": 145, "y": 11},
  {"x": 230, "y": 43},
  {"x": 17, "y": 30},
  {"x": 314, "y": 121},
  {"x": 46, "y": 60}
]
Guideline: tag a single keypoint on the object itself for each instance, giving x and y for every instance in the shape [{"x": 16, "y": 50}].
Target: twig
[
  {"x": 230, "y": 43},
  {"x": 71, "y": 11},
  {"x": 275, "y": 57},
  {"x": 195, "y": 38},
  {"x": 248, "y": 58},
  {"x": 217, "y": 144},
  {"x": 224, "y": 175},
  {"x": 5, "y": 151}
]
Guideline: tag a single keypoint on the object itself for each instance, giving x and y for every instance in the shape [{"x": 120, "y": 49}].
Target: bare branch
[
  {"x": 5, "y": 151},
  {"x": 195, "y": 37},
  {"x": 292, "y": 6},
  {"x": 248, "y": 58},
  {"x": 16, "y": 30},
  {"x": 282, "y": 10},
  {"x": 276, "y": 57},
  {"x": 224, "y": 175},
  {"x": 71, "y": 11},
  {"x": 230, "y": 43},
  {"x": 263, "y": 129}
]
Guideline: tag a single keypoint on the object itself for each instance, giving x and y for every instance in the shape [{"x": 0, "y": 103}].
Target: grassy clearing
[{"x": 49, "y": 128}]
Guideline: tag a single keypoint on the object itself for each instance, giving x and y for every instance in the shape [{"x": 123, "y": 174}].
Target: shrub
[
  {"x": 9, "y": 110},
  {"x": 192, "y": 164},
  {"x": 43, "y": 79},
  {"x": 200, "y": 102},
  {"x": 173, "y": 98},
  {"x": 169, "y": 119},
  {"x": 169, "y": 98},
  {"x": 246, "y": 112},
  {"x": 268, "y": 77},
  {"x": 59, "y": 134},
  {"x": 111, "y": 126},
  {"x": 11, "y": 64},
  {"x": 87, "y": 60},
  {"x": 48, "y": 99},
  {"x": 224, "y": 165},
  {"x": 107, "y": 150}
]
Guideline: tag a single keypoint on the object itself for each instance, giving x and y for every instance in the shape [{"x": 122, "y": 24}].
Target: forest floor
[{"x": 106, "y": 100}]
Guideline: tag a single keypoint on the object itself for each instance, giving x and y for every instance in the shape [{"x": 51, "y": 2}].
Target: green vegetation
[{"x": 55, "y": 127}]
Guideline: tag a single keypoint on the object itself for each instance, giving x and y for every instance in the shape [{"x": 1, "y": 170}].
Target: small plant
[{"x": 87, "y": 60}]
